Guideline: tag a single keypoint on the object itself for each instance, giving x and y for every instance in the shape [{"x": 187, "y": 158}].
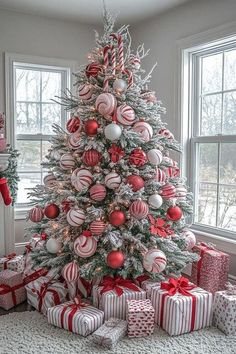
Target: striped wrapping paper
[
  {"x": 147, "y": 286},
  {"x": 177, "y": 310},
  {"x": 16, "y": 263},
  {"x": 12, "y": 290},
  {"x": 83, "y": 321},
  {"x": 41, "y": 300},
  {"x": 110, "y": 332},
  {"x": 112, "y": 304}
]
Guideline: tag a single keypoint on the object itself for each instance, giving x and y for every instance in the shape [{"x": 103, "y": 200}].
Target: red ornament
[
  {"x": 73, "y": 124},
  {"x": 97, "y": 227},
  {"x": 43, "y": 236},
  {"x": 167, "y": 191},
  {"x": 174, "y": 213},
  {"x": 135, "y": 181},
  {"x": 51, "y": 211},
  {"x": 66, "y": 205},
  {"x": 97, "y": 192},
  {"x": 159, "y": 227},
  {"x": 117, "y": 218},
  {"x": 116, "y": 153},
  {"x": 36, "y": 214},
  {"x": 139, "y": 209},
  {"x": 91, "y": 127},
  {"x": 93, "y": 69},
  {"x": 91, "y": 157},
  {"x": 138, "y": 157},
  {"x": 115, "y": 259}
]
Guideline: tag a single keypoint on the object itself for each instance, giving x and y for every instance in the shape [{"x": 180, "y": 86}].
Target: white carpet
[{"x": 29, "y": 333}]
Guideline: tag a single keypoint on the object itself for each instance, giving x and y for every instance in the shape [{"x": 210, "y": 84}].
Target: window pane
[
  {"x": 51, "y": 85},
  {"x": 208, "y": 159},
  {"x": 51, "y": 113},
  {"x": 227, "y": 212},
  {"x": 211, "y": 115},
  {"x": 27, "y": 118},
  {"x": 212, "y": 73},
  {"x": 229, "y": 117},
  {"x": 27, "y": 180},
  {"x": 230, "y": 70},
  {"x": 228, "y": 163},
  {"x": 206, "y": 204},
  {"x": 27, "y": 85},
  {"x": 29, "y": 158}
]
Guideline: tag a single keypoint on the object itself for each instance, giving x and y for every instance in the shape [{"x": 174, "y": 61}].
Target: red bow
[
  {"x": 116, "y": 284},
  {"x": 66, "y": 205},
  {"x": 116, "y": 153},
  {"x": 142, "y": 278},
  {"x": 159, "y": 227},
  {"x": 8, "y": 257},
  {"x": 75, "y": 306},
  {"x": 181, "y": 285}
]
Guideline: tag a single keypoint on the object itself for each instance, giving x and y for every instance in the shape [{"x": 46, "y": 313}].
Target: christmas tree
[{"x": 113, "y": 202}]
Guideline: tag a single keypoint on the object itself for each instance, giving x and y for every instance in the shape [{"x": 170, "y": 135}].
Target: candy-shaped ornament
[
  {"x": 190, "y": 239},
  {"x": 167, "y": 191},
  {"x": 85, "y": 92},
  {"x": 97, "y": 192},
  {"x": 97, "y": 227},
  {"x": 144, "y": 129},
  {"x": 136, "y": 182},
  {"x": 36, "y": 214},
  {"x": 85, "y": 245},
  {"x": 112, "y": 132},
  {"x": 91, "y": 127},
  {"x": 74, "y": 124},
  {"x": 180, "y": 192},
  {"x": 154, "y": 261},
  {"x": 112, "y": 180},
  {"x": 139, "y": 209},
  {"x": 106, "y": 104},
  {"x": 75, "y": 217},
  {"x": 160, "y": 175},
  {"x": 91, "y": 157},
  {"x": 74, "y": 141},
  {"x": 67, "y": 162},
  {"x": 155, "y": 201},
  {"x": 138, "y": 157},
  {"x": 125, "y": 115},
  {"x": 50, "y": 180},
  {"x": 81, "y": 178},
  {"x": 154, "y": 157}
]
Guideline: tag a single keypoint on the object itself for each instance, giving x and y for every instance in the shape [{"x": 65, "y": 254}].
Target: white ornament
[
  {"x": 119, "y": 85},
  {"x": 53, "y": 245},
  {"x": 189, "y": 238},
  {"x": 112, "y": 131},
  {"x": 112, "y": 180},
  {"x": 75, "y": 217},
  {"x": 67, "y": 162},
  {"x": 154, "y": 261},
  {"x": 154, "y": 157},
  {"x": 81, "y": 178},
  {"x": 155, "y": 201},
  {"x": 144, "y": 129}
]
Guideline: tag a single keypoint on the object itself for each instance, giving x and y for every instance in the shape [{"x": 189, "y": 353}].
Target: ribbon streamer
[{"x": 117, "y": 283}]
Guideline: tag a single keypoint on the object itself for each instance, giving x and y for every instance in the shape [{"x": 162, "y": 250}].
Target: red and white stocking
[{"x": 4, "y": 190}]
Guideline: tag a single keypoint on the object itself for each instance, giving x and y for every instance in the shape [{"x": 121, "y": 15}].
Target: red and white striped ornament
[
  {"x": 180, "y": 192},
  {"x": 166, "y": 133},
  {"x": 139, "y": 209},
  {"x": 160, "y": 175},
  {"x": 97, "y": 227},
  {"x": 135, "y": 62},
  {"x": 81, "y": 178},
  {"x": 70, "y": 272},
  {"x": 75, "y": 217},
  {"x": 125, "y": 115},
  {"x": 154, "y": 261},
  {"x": 36, "y": 214},
  {"x": 167, "y": 191},
  {"x": 154, "y": 157},
  {"x": 91, "y": 157},
  {"x": 144, "y": 129},
  {"x": 112, "y": 180},
  {"x": 73, "y": 124},
  {"x": 85, "y": 245},
  {"x": 106, "y": 104},
  {"x": 85, "y": 92},
  {"x": 119, "y": 40},
  {"x": 190, "y": 239},
  {"x": 74, "y": 141},
  {"x": 137, "y": 157},
  {"x": 98, "y": 192},
  {"x": 49, "y": 180},
  {"x": 67, "y": 162}
]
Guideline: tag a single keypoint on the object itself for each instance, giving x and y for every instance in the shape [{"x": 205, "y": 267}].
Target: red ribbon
[
  {"x": 87, "y": 285},
  {"x": 9, "y": 257},
  {"x": 44, "y": 289},
  {"x": 77, "y": 305},
  {"x": 5, "y": 289},
  {"x": 183, "y": 287},
  {"x": 142, "y": 278},
  {"x": 38, "y": 273},
  {"x": 117, "y": 283},
  {"x": 116, "y": 153}
]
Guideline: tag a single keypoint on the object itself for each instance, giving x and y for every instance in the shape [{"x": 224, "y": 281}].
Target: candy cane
[
  {"x": 113, "y": 60},
  {"x": 119, "y": 39},
  {"x": 106, "y": 64},
  {"x": 130, "y": 77}
]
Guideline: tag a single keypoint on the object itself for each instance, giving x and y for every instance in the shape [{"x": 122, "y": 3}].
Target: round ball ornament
[
  {"x": 139, "y": 209},
  {"x": 81, "y": 178},
  {"x": 181, "y": 192},
  {"x": 49, "y": 180},
  {"x": 160, "y": 175},
  {"x": 144, "y": 129},
  {"x": 119, "y": 85},
  {"x": 53, "y": 245},
  {"x": 117, "y": 218},
  {"x": 135, "y": 62},
  {"x": 174, "y": 213},
  {"x": 93, "y": 69},
  {"x": 125, "y": 115},
  {"x": 155, "y": 201},
  {"x": 190, "y": 239},
  {"x": 154, "y": 157},
  {"x": 91, "y": 127},
  {"x": 167, "y": 191},
  {"x": 85, "y": 245},
  {"x": 73, "y": 124},
  {"x": 138, "y": 157},
  {"x": 67, "y": 162},
  {"x": 43, "y": 236},
  {"x": 166, "y": 133},
  {"x": 85, "y": 92},
  {"x": 36, "y": 214},
  {"x": 70, "y": 272},
  {"x": 74, "y": 141},
  {"x": 97, "y": 192},
  {"x": 52, "y": 211},
  {"x": 154, "y": 261},
  {"x": 91, "y": 157},
  {"x": 136, "y": 182},
  {"x": 112, "y": 180},
  {"x": 115, "y": 259},
  {"x": 106, "y": 104},
  {"x": 112, "y": 131},
  {"x": 75, "y": 217},
  {"x": 97, "y": 227}
]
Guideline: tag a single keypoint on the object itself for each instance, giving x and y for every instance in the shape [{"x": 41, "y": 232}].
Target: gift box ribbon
[
  {"x": 44, "y": 289},
  {"x": 5, "y": 289},
  {"x": 183, "y": 287},
  {"x": 117, "y": 284},
  {"x": 38, "y": 273},
  {"x": 140, "y": 279},
  {"x": 75, "y": 306},
  {"x": 8, "y": 258}
]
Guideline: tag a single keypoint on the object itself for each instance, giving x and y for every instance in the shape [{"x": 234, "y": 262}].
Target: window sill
[{"x": 20, "y": 214}]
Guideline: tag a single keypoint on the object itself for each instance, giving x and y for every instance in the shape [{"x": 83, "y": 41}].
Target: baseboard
[{"x": 232, "y": 279}]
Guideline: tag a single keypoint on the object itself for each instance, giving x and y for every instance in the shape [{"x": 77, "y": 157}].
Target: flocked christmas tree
[{"x": 114, "y": 202}]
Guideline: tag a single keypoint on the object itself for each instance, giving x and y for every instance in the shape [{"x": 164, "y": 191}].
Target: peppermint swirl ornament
[
  {"x": 144, "y": 129},
  {"x": 154, "y": 261},
  {"x": 105, "y": 104},
  {"x": 67, "y": 162},
  {"x": 97, "y": 227},
  {"x": 81, "y": 178},
  {"x": 91, "y": 157},
  {"x": 85, "y": 245},
  {"x": 125, "y": 115},
  {"x": 154, "y": 156}
]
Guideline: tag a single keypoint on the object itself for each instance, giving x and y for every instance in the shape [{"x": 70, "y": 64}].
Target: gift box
[
  {"x": 12, "y": 289},
  {"x": 44, "y": 293},
  {"x": 110, "y": 332},
  {"x": 224, "y": 311},
  {"x": 84, "y": 287},
  {"x": 211, "y": 271},
  {"x": 76, "y": 316},
  {"x": 31, "y": 272},
  {"x": 181, "y": 307},
  {"x": 12, "y": 262},
  {"x": 140, "y": 318},
  {"x": 112, "y": 294},
  {"x": 144, "y": 282}
]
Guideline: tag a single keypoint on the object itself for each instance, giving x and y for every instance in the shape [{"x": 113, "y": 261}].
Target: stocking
[{"x": 4, "y": 190}]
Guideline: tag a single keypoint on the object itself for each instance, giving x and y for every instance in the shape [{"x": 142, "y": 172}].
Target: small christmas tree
[{"x": 114, "y": 202}]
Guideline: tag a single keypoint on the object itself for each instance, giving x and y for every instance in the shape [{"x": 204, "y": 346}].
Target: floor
[{"x": 19, "y": 308}]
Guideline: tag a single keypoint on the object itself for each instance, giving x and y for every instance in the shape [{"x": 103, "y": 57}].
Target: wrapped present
[
  {"x": 144, "y": 282},
  {"x": 181, "y": 306},
  {"x": 211, "y": 271},
  {"x": 224, "y": 310},
  {"x": 12, "y": 262},
  {"x": 112, "y": 294},
  {"x": 110, "y": 332},
  {"x": 140, "y": 318},
  {"x": 76, "y": 316},
  {"x": 12, "y": 289},
  {"x": 44, "y": 293}
]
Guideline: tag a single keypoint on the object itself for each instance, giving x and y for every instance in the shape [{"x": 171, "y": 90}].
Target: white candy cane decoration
[
  {"x": 119, "y": 39},
  {"x": 113, "y": 60}
]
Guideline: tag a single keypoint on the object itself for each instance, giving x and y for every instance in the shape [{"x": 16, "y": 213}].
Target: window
[{"x": 212, "y": 137}]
